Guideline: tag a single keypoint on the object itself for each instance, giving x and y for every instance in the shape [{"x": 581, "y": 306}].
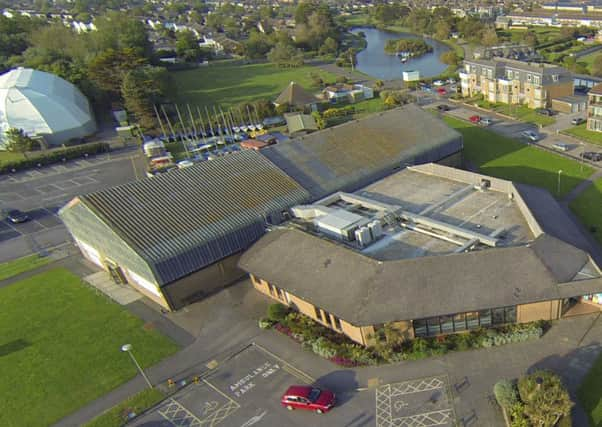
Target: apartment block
[
  {"x": 594, "y": 108},
  {"x": 515, "y": 82}
]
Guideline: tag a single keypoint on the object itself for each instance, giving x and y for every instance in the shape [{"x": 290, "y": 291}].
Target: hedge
[{"x": 54, "y": 156}]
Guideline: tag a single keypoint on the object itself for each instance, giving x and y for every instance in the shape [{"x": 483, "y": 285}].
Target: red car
[
  {"x": 474, "y": 119},
  {"x": 308, "y": 397},
  {"x": 441, "y": 91}
]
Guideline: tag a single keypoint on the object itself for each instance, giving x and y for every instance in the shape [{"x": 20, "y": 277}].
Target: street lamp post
[
  {"x": 127, "y": 348},
  {"x": 582, "y": 155},
  {"x": 558, "y": 190}
]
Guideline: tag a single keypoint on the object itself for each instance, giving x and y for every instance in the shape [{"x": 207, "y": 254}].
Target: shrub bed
[
  {"x": 341, "y": 350},
  {"x": 54, "y": 156}
]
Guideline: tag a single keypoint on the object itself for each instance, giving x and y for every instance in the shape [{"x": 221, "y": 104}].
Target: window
[
  {"x": 555, "y": 77},
  {"x": 433, "y": 326},
  {"x": 280, "y": 294},
  {"x": 420, "y": 328},
  {"x": 498, "y": 316},
  {"x": 490, "y": 73},
  {"x": 509, "y": 74},
  {"x": 447, "y": 324},
  {"x": 472, "y": 320},
  {"x": 317, "y": 313},
  {"x": 536, "y": 80},
  {"x": 460, "y": 322},
  {"x": 485, "y": 318},
  {"x": 510, "y": 314},
  {"x": 327, "y": 318},
  {"x": 271, "y": 289},
  {"x": 529, "y": 77}
]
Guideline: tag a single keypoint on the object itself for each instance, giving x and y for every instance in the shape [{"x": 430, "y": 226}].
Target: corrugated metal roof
[
  {"x": 352, "y": 155},
  {"x": 188, "y": 218}
]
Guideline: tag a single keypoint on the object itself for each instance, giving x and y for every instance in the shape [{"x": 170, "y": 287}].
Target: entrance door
[{"x": 116, "y": 273}]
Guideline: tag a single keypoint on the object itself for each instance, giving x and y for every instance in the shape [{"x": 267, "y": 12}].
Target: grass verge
[
  {"x": 61, "y": 347},
  {"x": 118, "y": 415},
  {"x": 588, "y": 207},
  {"x": 507, "y": 158},
  {"x": 581, "y": 132},
  {"x": 227, "y": 85},
  {"x": 519, "y": 112},
  {"x": 590, "y": 394},
  {"x": 21, "y": 265}
]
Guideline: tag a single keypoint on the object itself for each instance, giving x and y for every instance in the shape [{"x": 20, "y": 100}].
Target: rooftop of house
[{"x": 596, "y": 90}]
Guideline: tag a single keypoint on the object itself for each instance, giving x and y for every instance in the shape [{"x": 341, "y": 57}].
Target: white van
[{"x": 561, "y": 146}]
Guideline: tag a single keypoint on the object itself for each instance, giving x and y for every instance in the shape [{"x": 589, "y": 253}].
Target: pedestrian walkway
[
  {"x": 121, "y": 294},
  {"x": 581, "y": 187}
]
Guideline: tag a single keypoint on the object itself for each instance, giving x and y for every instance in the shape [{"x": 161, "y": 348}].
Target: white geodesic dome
[{"x": 43, "y": 104}]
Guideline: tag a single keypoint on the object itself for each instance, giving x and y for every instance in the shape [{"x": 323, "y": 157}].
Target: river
[{"x": 376, "y": 63}]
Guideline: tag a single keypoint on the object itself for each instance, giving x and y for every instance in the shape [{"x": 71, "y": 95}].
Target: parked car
[
  {"x": 308, "y": 397},
  {"x": 16, "y": 216},
  {"x": 441, "y": 91},
  {"x": 577, "y": 121},
  {"x": 531, "y": 135},
  {"x": 443, "y": 107},
  {"x": 438, "y": 83},
  {"x": 544, "y": 111},
  {"x": 485, "y": 121},
  {"x": 591, "y": 155},
  {"x": 451, "y": 81},
  {"x": 474, "y": 119},
  {"x": 453, "y": 88},
  {"x": 561, "y": 146}
]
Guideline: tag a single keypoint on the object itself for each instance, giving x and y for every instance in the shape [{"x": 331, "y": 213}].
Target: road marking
[
  {"x": 254, "y": 419},
  {"x": 286, "y": 366}
]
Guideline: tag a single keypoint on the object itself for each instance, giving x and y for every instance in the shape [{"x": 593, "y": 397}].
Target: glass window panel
[
  {"x": 485, "y": 318},
  {"x": 317, "y": 312},
  {"x": 447, "y": 324},
  {"x": 510, "y": 314},
  {"x": 433, "y": 326},
  {"x": 328, "y": 319},
  {"x": 472, "y": 320},
  {"x": 420, "y": 328},
  {"x": 337, "y": 323},
  {"x": 498, "y": 316},
  {"x": 460, "y": 322}
]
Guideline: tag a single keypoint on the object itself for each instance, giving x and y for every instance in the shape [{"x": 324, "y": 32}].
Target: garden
[
  {"x": 389, "y": 347},
  {"x": 581, "y": 132},
  {"x": 519, "y": 112},
  {"x": 61, "y": 347},
  {"x": 535, "y": 400}
]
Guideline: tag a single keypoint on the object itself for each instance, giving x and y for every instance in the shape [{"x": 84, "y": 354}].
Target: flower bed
[{"x": 341, "y": 350}]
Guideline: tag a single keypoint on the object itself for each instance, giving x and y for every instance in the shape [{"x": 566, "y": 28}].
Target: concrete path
[
  {"x": 581, "y": 187},
  {"x": 121, "y": 294}
]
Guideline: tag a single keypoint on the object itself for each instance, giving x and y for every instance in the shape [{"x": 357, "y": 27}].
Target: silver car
[{"x": 531, "y": 135}]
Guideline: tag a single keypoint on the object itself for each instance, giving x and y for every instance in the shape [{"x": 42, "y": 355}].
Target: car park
[
  {"x": 577, "y": 121},
  {"x": 530, "y": 135},
  {"x": 475, "y": 119},
  {"x": 485, "y": 121},
  {"x": 545, "y": 111},
  {"x": 443, "y": 107},
  {"x": 309, "y": 398},
  {"x": 438, "y": 83},
  {"x": 591, "y": 155},
  {"x": 16, "y": 216},
  {"x": 561, "y": 146}
]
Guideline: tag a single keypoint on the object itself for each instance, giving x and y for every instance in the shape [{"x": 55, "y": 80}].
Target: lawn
[
  {"x": 227, "y": 85},
  {"x": 588, "y": 207},
  {"x": 590, "y": 394},
  {"x": 580, "y": 132},
  {"x": 118, "y": 415},
  {"x": 61, "y": 347},
  {"x": 519, "y": 112},
  {"x": 368, "y": 106},
  {"x": 510, "y": 159},
  {"x": 21, "y": 265}
]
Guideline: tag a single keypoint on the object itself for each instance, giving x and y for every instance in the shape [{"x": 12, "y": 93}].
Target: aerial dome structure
[{"x": 43, "y": 105}]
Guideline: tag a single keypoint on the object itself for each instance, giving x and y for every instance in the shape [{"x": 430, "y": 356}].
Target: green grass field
[
  {"x": 590, "y": 394},
  {"x": 580, "y": 132},
  {"x": 228, "y": 85},
  {"x": 61, "y": 347},
  {"x": 519, "y": 112},
  {"x": 588, "y": 207},
  {"x": 510, "y": 159},
  {"x": 117, "y": 416},
  {"x": 21, "y": 265}
]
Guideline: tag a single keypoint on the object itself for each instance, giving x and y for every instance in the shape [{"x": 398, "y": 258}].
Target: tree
[
  {"x": 187, "y": 46},
  {"x": 489, "y": 37},
  {"x": 597, "y": 66},
  {"x": 17, "y": 141},
  {"x": 329, "y": 47},
  {"x": 443, "y": 30},
  {"x": 450, "y": 58},
  {"x": 141, "y": 89},
  {"x": 285, "y": 55},
  {"x": 316, "y": 80},
  {"x": 546, "y": 400},
  {"x": 530, "y": 38},
  {"x": 108, "y": 69},
  {"x": 257, "y": 45},
  {"x": 118, "y": 31},
  {"x": 568, "y": 32}
]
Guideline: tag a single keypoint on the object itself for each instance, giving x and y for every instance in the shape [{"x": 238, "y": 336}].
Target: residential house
[{"x": 594, "y": 108}]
